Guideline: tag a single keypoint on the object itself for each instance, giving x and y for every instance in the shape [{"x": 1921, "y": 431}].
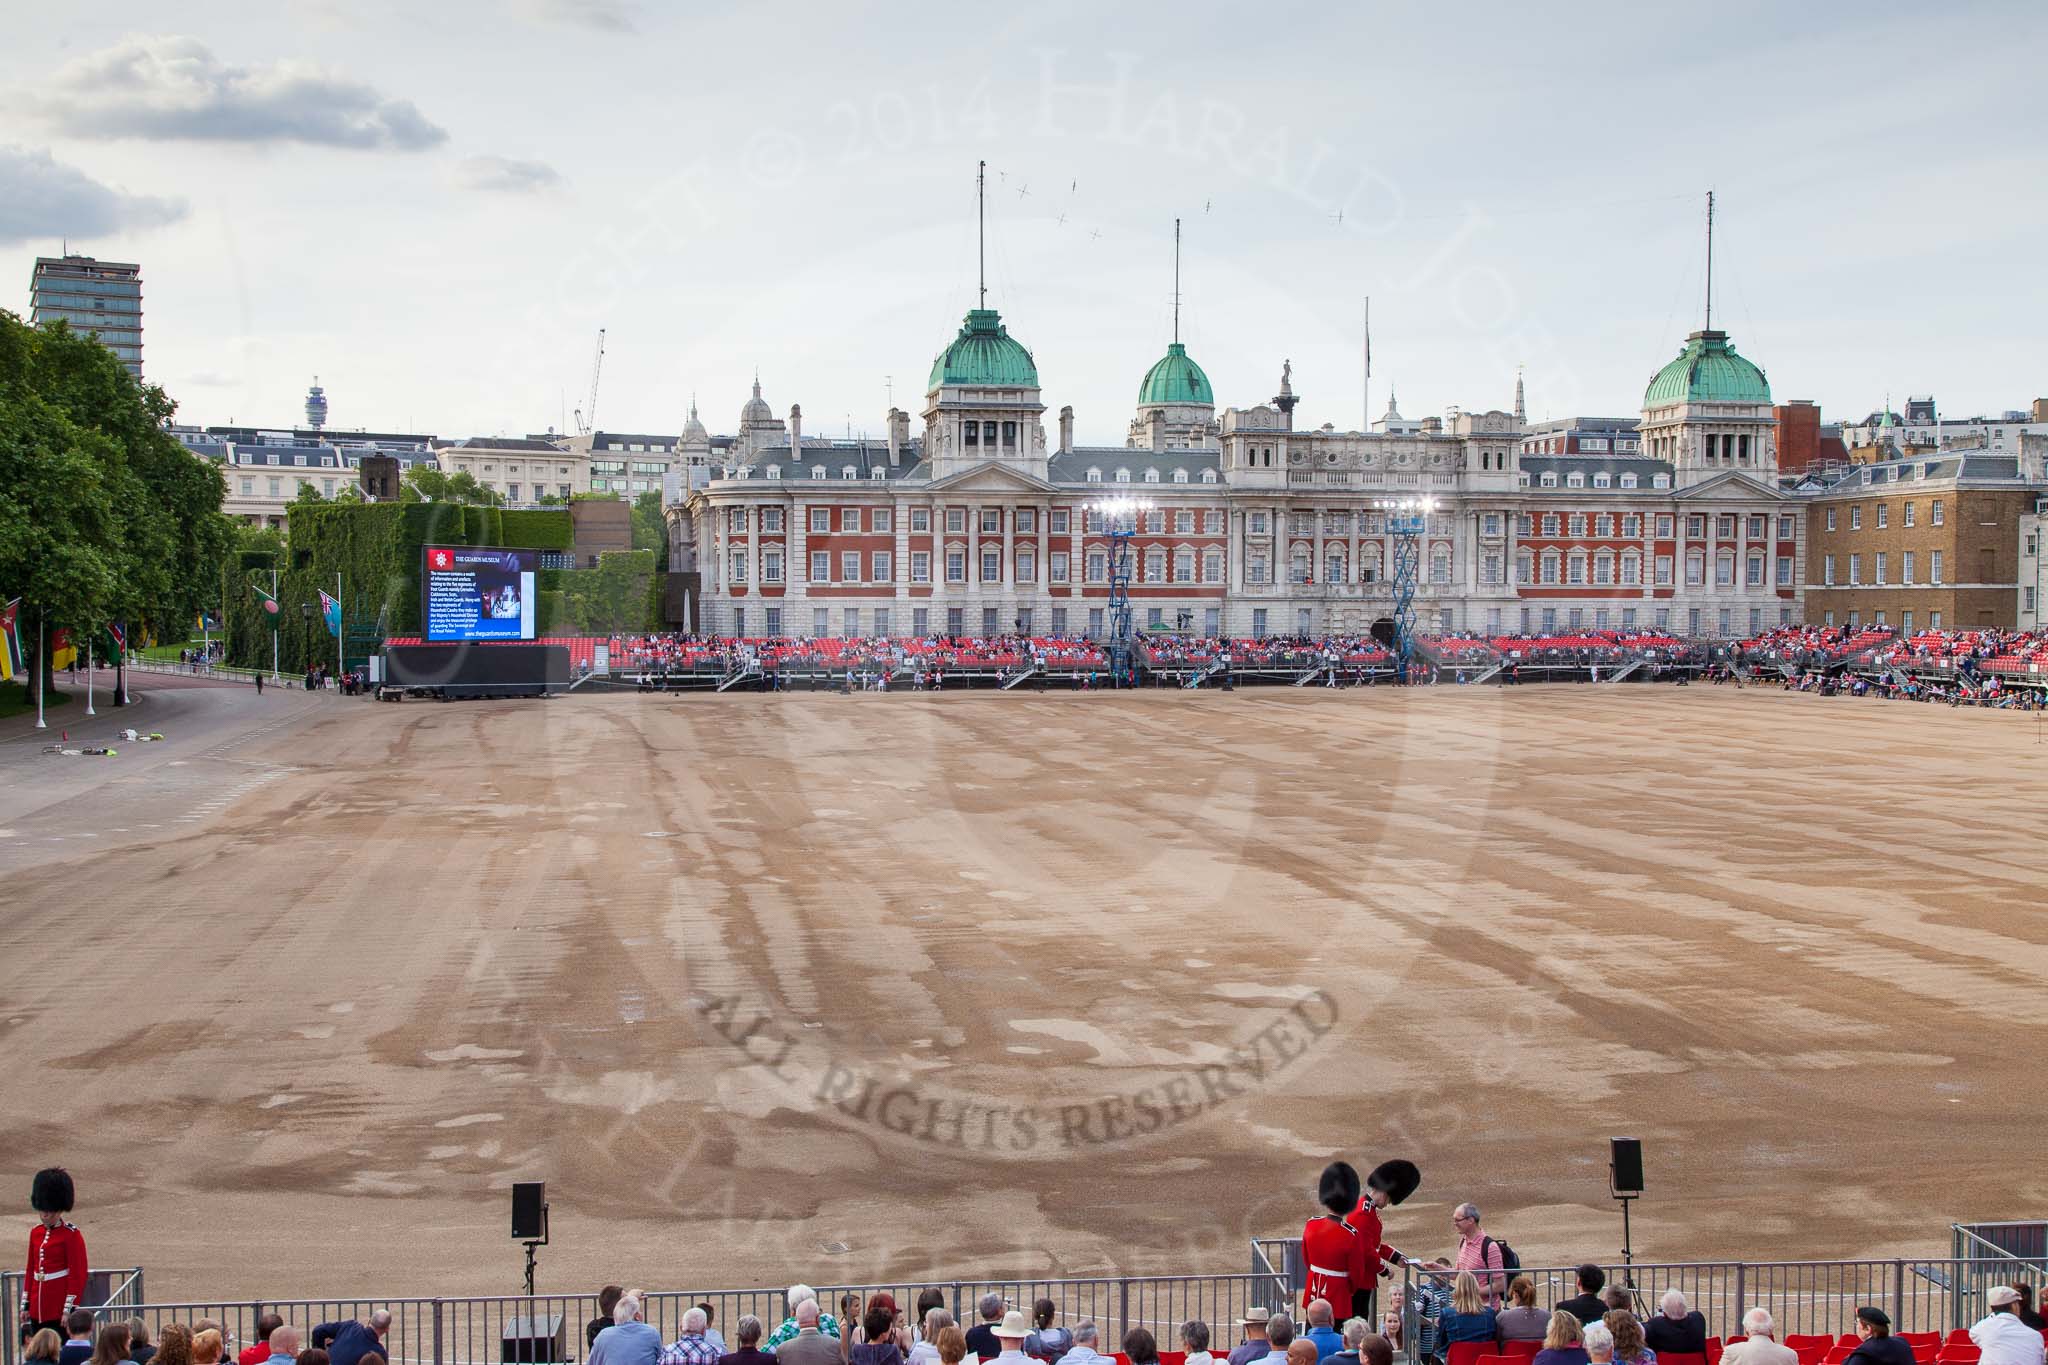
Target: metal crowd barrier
[{"x": 1934, "y": 1294}]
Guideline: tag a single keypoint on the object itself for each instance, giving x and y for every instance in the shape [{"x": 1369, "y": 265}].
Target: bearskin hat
[
  {"x": 1338, "y": 1189},
  {"x": 52, "y": 1192},
  {"x": 1396, "y": 1179}
]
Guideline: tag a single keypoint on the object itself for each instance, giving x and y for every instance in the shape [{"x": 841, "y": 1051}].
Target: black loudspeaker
[
  {"x": 1625, "y": 1166},
  {"x": 539, "y": 1340},
  {"x": 529, "y": 1211}
]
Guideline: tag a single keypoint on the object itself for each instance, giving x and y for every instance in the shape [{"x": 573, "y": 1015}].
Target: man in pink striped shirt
[{"x": 1478, "y": 1253}]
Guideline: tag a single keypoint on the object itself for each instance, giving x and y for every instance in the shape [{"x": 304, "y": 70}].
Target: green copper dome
[
  {"x": 984, "y": 353},
  {"x": 1175, "y": 379},
  {"x": 1707, "y": 371}
]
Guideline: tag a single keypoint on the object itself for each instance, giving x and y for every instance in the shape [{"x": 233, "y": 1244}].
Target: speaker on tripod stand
[{"x": 1625, "y": 1184}]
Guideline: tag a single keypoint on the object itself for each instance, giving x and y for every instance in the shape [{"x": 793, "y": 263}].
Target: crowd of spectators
[{"x": 86, "y": 1341}]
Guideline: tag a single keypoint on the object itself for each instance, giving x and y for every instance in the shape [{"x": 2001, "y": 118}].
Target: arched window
[
  {"x": 774, "y": 471},
  {"x": 1333, "y": 564},
  {"x": 1298, "y": 565},
  {"x": 1440, "y": 564}
]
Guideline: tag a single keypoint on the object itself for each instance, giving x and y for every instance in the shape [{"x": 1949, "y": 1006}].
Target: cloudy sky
[{"x": 436, "y": 207}]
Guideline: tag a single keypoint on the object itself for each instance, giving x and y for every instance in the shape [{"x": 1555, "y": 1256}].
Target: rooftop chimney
[
  {"x": 1067, "y": 427},
  {"x": 796, "y": 429}
]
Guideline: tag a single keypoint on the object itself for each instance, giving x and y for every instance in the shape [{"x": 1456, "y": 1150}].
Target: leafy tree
[
  {"x": 103, "y": 515},
  {"x": 424, "y": 483},
  {"x": 650, "y": 528}
]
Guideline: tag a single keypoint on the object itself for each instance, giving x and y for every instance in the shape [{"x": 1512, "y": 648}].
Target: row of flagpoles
[{"x": 63, "y": 654}]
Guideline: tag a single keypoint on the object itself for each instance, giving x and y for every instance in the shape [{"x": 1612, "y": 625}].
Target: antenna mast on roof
[
  {"x": 1710, "y": 260},
  {"x": 1367, "y": 426},
  {"x": 1176, "y": 279},
  {"x": 981, "y": 228}
]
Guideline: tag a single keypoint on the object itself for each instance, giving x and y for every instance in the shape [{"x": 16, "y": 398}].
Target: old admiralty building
[{"x": 979, "y": 522}]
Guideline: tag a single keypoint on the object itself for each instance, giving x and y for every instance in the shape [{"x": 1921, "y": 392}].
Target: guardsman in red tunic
[
  {"x": 1333, "y": 1257},
  {"x": 1390, "y": 1183},
  {"x": 55, "y": 1280}
]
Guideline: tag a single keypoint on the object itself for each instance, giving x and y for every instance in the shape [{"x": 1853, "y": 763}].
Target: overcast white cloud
[
  {"x": 503, "y": 174},
  {"x": 166, "y": 87},
  {"x": 612, "y": 16},
  {"x": 42, "y": 198}
]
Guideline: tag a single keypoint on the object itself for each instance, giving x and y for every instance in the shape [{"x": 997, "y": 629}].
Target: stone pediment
[
  {"x": 992, "y": 476},
  {"x": 1731, "y": 483}
]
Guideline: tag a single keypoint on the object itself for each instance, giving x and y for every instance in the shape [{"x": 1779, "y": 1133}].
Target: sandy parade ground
[{"x": 890, "y": 986}]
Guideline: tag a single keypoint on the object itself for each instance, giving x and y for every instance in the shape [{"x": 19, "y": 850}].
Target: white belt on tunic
[
  {"x": 1328, "y": 1273},
  {"x": 51, "y": 1274}
]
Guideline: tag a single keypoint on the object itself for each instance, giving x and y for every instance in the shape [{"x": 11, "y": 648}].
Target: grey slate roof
[
  {"x": 1072, "y": 466},
  {"x": 1645, "y": 470}
]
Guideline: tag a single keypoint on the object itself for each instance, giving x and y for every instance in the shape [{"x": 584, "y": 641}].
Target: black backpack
[{"x": 1509, "y": 1260}]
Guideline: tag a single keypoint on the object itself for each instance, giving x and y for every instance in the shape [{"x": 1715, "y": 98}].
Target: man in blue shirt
[
  {"x": 628, "y": 1341},
  {"x": 1328, "y": 1339},
  {"x": 284, "y": 1345},
  {"x": 346, "y": 1343}
]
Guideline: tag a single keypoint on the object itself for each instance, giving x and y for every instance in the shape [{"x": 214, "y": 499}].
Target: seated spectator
[
  {"x": 1618, "y": 1299},
  {"x": 1254, "y": 1346},
  {"x": 77, "y": 1347},
  {"x": 952, "y": 1345},
  {"x": 1279, "y": 1336},
  {"x": 1521, "y": 1320},
  {"x": 1629, "y": 1346},
  {"x": 693, "y": 1347},
  {"x": 1599, "y": 1343},
  {"x": 208, "y": 1345},
  {"x": 607, "y": 1299},
  {"x": 43, "y": 1348},
  {"x": 710, "y": 1331},
  {"x": 1587, "y": 1306},
  {"x": 1677, "y": 1328},
  {"x": 1194, "y": 1341},
  {"x": 1375, "y": 1349},
  {"x": 110, "y": 1347},
  {"x": 2024, "y": 1309},
  {"x": 1140, "y": 1347},
  {"x": 628, "y": 1341},
  {"x": 925, "y": 1350},
  {"x": 926, "y": 1302},
  {"x": 1356, "y": 1330},
  {"x": 748, "y": 1329},
  {"x": 1758, "y": 1346},
  {"x": 312, "y": 1355},
  {"x": 1301, "y": 1351},
  {"x": 285, "y": 1345},
  {"x": 1394, "y": 1322},
  {"x": 1083, "y": 1351},
  {"x": 1046, "y": 1341},
  {"x": 1327, "y": 1338},
  {"x": 1011, "y": 1332},
  {"x": 2000, "y": 1335},
  {"x": 981, "y": 1338},
  {"x": 1879, "y": 1346},
  {"x": 139, "y": 1348},
  {"x": 878, "y": 1327},
  {"x": 1564, "y": 1343},
  {"x": 346, "y": 1343},
  {"x": 174, "y": 1345},
  {"x": 258, "y": 1351},
  {"x": 798, "y": 1294},
  {"x": 1470, "y": 1318}
]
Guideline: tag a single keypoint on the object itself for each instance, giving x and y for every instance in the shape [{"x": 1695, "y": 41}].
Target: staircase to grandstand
[
  {"x": 1019, "y": 675},
  {"x": 743, "y": 672}
]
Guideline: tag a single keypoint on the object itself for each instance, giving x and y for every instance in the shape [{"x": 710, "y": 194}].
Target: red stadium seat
[
  {"x": 1173, "y": 1358},
  {"x": 1681, "y": 1358},
  {"x": 1497, "y": 1360},
  {"x": 1467, "y": 1352},
  {"x": 1958, "y": 1355},
  {"x": 1807, "y": 1341},
  {"x": 1958, "y": 1336},
  {"x": 1521, "y": 1350}
]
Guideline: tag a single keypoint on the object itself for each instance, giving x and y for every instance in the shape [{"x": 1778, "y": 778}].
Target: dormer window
[
  {"x": 1628, "y": 481},
  {"x": 878, "y": 472},
  {"x": 1603, "y": 480},
  {"x": 1575, "y": 480},
  {"x": 849, "y": 472},
  {"x": 1123, "y": 476},
  {"x": 1151, "y": 476},
  {"x": 1661, "y": 481},
  {"x": 1095, "y": 476},
  {"x": 1208, "y": 476},
  {"x": 774, "y": 471},
  {"x": 1549, "y": 478},
  {"x": 1180, "y": 476}
]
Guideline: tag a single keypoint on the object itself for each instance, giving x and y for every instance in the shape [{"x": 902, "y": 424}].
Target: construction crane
[{"x": 586, "y": 416}]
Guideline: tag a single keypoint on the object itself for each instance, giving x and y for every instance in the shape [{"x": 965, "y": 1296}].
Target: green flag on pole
[{"x": 269, "y": 604}]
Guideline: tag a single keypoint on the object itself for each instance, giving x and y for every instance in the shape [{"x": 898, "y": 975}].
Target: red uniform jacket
[
  {"x": 55, "y": 1280},
  {"x": 1334, "y": 1259},
  {"x": 1370, "y": 1231}
]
